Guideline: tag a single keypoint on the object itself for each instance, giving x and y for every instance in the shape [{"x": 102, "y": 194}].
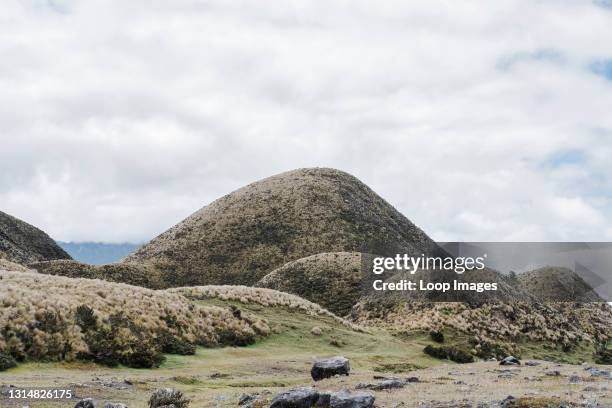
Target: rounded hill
[
  {"x": 332, "y": 280},
  {"x": 23, "y": 243},
  {"x": 558, "y": 284},
  {"x": 243, "y": 236}
]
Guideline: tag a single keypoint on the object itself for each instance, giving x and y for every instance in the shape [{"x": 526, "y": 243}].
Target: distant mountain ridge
[{"x": 98, "y": 253}]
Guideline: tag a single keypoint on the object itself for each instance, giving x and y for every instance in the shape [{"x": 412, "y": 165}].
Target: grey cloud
[{"x": 119, "y": 119}]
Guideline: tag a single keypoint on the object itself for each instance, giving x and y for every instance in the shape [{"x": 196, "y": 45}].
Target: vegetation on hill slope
[
  {"x": 241, "y": 237},
  {"x": 557, "y": 284},
  {"x": 22, "y": 243},
  {"x": 133, "y": 274},
  {"x": 333, "y": 280},
  {"x": 496, "y": 329},
  {"x": 51, "y": 318}
]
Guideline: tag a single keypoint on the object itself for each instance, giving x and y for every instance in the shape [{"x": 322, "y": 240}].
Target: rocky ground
[{"x": 482, "y": 384}]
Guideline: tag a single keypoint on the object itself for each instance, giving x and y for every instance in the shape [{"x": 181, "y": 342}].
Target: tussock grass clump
[
  {"x": 168, "y": 397},
  {"x": 260, "y": 296},
  {"x": 51, "y": 318}
]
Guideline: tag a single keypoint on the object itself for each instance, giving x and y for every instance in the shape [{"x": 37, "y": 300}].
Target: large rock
[
  {"x": 241, "y": 237},
  {"x": 309, "y": 397},
  {"x": 345, "y": 399},
  {"x": 23, "y": 243},
  {"x": 330, "y": 367},
  {"x": 386, "y": 384},
  {"x": 296, "y": 398}
]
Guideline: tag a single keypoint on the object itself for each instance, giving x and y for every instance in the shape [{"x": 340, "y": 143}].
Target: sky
[{"x": 479, "y": 121}]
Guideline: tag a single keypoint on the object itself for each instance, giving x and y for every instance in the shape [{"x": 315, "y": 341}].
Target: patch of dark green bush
[
  {"x": 7, "y": 361},
  {"x": 449, "y": 353},
  {"x": 437, "y": 336},
  {"x": 603, "y": 354}
]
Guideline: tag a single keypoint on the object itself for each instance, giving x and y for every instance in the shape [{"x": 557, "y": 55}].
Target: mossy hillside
[
  {"x": 22, "y": 243},
  {"x": 133, "y": 274},
  {"x": 333, "y": 280},
  {"x": 243, "y": 236}
]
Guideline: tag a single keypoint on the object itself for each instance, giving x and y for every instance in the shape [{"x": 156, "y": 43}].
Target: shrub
[
  {"x": 451, "y": 353},
  {"x": 437, "y": 336},
  {"x": 164, "y": 397},
  {"x": 44, "y": 317},
  {"x": 6, "y": 362},
  {"x": 603, "y": 354}
]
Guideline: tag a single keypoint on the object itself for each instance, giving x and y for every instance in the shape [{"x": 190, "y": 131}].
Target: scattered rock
[
  {"x": 316, "y": 331},
  {"x": 383, "y": 385},
  {"x": 574, "y": 379},
  {"x": 508, "y": 402},
  {"x": 596, "y": 372},
  {"x": 216, "y": 375},
  {"x": 296, "y": 398},
  {"x": 413, "y": 380},
  {"x": 114, "y": 405},
  {"x": 553, "y": 373},
  {"x": 252, "y": 400},
  {"x": 345, "y": 399},
  {"x": 532, "y": 363},
  {"x": 327, "y": 368},
  {"x": 86, "y": 403},
  {"x": 510, "y": 360}
]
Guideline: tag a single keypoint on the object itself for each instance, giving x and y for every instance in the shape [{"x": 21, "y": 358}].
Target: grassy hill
[
  {"x": 22, "y": 243},
  {"x": 332, "y": 280},
  {"x": 243, "y": 236},
  {"x": 557, "y": 284}
]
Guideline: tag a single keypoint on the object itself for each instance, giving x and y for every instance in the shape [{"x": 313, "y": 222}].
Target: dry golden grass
[
  {"x": 559, "y": 324},
  {"x": 38, "y": 319},
  {"x": 260, "y": 296}
]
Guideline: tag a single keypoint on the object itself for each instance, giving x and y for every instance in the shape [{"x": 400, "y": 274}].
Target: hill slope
[
  {"x": 22, "y": 243},
  {"x": 558, "y": 284},
  {"x": 244, "y": 235},
  {"x": 332, "y": 280}
]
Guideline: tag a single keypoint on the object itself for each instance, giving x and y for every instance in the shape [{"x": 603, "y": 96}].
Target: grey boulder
[
  {"x": 510, "y": 360},
  {"x": 345, "y": 399},
  {"x": 86, "y": 403},
  {"x": 330, "y": 367},
  {"x": 305, "y": 397}
]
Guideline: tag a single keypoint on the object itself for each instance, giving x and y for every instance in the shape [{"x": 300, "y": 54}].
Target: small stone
[
  {"x": 510, "y": 360},
  {"x": 86, "y": 403}
]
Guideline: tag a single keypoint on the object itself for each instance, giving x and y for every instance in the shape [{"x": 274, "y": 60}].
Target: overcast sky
[{"x": 488, "y": 120}]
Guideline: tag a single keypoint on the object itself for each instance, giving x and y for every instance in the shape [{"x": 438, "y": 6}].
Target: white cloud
[{"x": 120, "y": 118}]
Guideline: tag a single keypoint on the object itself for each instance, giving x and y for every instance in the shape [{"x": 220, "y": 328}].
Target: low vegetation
[
  {"x": 260, "y": 296},
  {"x": 497, "y": 329},
  {"x": 332, "y": 280},
  {"x": 449, "y": 353},
  {"x": 133, "y": 274},
  {"x": 52, "y": 318}
]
